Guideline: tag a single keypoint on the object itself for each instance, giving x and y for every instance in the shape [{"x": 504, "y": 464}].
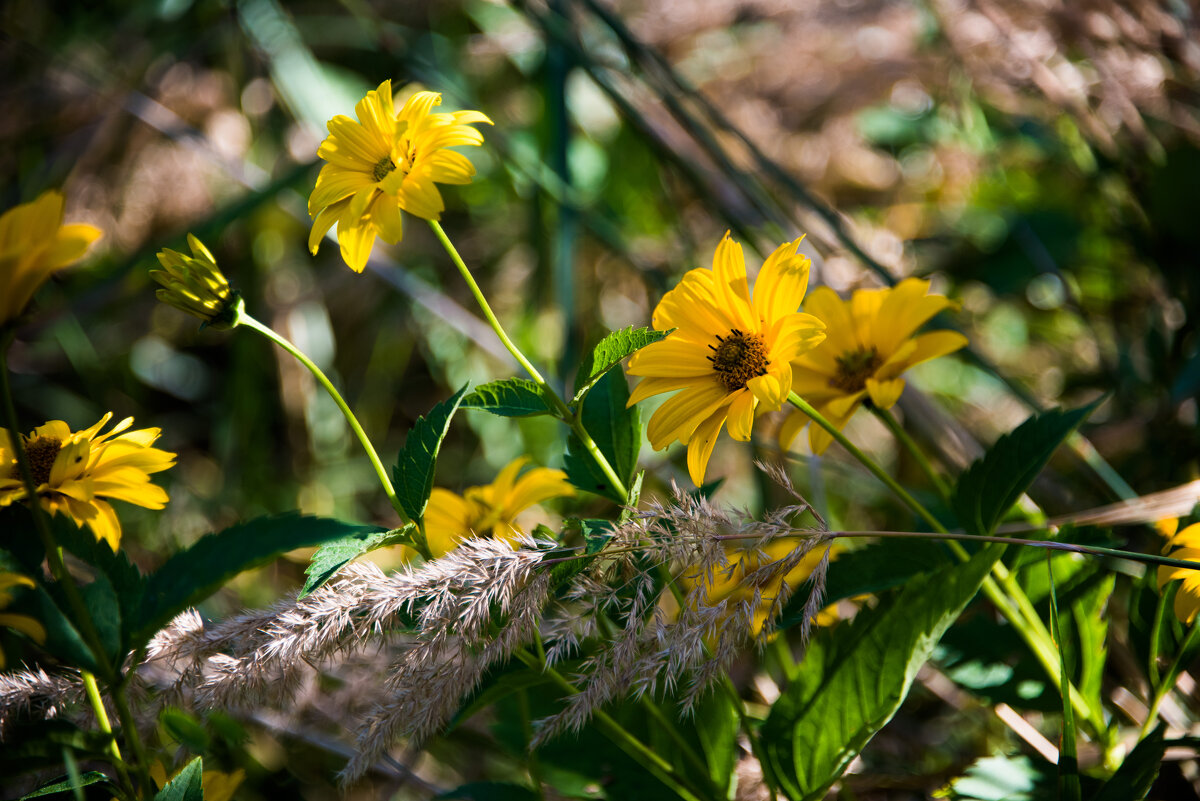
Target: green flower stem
[
  {"x": 661, "y": 769},
  {"x": 1163, "y": 688},
  {"x": 1022, "y": 616},
  {"x": 328, "y": 386},
  {"x": 63, "y": 578},
  {"x": 910, "y": 445},
  {"x": 573, "y": 419}
]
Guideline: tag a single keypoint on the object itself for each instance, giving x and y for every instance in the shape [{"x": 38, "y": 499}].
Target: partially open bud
[{"x": 194, "y": 284}]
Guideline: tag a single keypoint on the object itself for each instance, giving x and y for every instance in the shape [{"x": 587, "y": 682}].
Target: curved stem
[
  {"x": 93, "y": 695},
  {"x": 573, "y": 419},
  {"x": 331, "y": 390},
  {"x": 1168, "y": 680},
  {"x": 1017, "y": 609},
  {"x": 910, "y": 445}
]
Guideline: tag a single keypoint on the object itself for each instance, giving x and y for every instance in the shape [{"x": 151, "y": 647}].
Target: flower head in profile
[
  {"x": 22, "y": 623},
  {"x": 730, "y": 354},
  {"x": 490, "y": 510},
  {"x": 385, "y": 162},
  {"x": 78, "y": 472},
  {"x": 33, "y": 244},
  {"x": 1186, "y": 546},
  {"x": 871, "y": 342},
  {"x": 194, "y": 284}
]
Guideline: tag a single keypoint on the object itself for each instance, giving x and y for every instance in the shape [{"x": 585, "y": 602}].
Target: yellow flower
[
  {"x": 22, "y": 623},
  {"x": 730, "y": 582},
  {"x": 491, "y": 509},
  {"x": 870, "y": 344},
  {"x": 730, "y": 354},
  {"x": 33, "y": 244},
  {"x": 1187, "y": 547},
  {"x": 75, "y": 471},
  {"x": 386, "y": 162},
  {"x": 194, "y": 284}
]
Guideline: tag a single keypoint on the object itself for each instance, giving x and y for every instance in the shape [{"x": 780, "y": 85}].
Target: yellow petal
[
  {"x": 679, "y": 416},
  {"x": 782, "y": 282},
  {"x": 700, "y": 446},
  {"x": 884, "y": 394},
  {"x": 741, "y": 416}
]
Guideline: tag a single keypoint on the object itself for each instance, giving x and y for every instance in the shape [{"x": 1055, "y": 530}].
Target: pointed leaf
[
  {"x": 333, "y": 556},
  {"x": 512, "y": 397},
  {"x": 188, "y": 784},
  {"x": 67, "y": 784},
  {"x": 191, "y": 575},
  {"x": 855, "y": 677},
  {"x": 413, "y": 473},
  {"x": 1137, "y": 773},
  {"x": 617, "y": 432},
  {"x": 990, "y": 487},
  {"x": 609, "y": 352}
]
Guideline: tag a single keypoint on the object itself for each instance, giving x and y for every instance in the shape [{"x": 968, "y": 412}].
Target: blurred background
[{"x": 1038, "y": 160}]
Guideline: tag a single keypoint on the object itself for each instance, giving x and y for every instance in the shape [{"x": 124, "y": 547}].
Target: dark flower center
[
  {"x": 383, "y": 168},
  {"x": 41, "y": 452},
  {"x": 854, "y": 369},
  {"x": 738, "y": 358}
]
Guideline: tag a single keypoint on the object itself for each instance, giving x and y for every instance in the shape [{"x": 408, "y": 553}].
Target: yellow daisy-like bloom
[
  {"x": 75, "y": 471},
  {"x": 730, "y": 354},
  {"x": 22, "y": 623},
  {"x": 195, "y": 284},
  {"x": 1187, "y": 547},
  {"x": 730, "y": 582},
  {"x": 490, "y": 510},
  {"x": 33, "y": 244},
  {"x": 870, "y": 344},
  {"x": 386, "y": 162}
]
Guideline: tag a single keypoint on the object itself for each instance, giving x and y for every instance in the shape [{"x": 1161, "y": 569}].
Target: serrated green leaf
[
  {"x": 193, "y": 574},
  {"x": 609, "y": 352},
  {"x": 66, "y": 784},
  {"x": 104, "y": 609},
  {"x": 413, "y": 473},
  {"x": 511, "y": 397},
  {"x": 188, "y": 784},
  {"x": 333, "y": 556},
  {"x": 855, "y": 677},
  {"x": 63, "y": 639},
  {"x": 617, "y": 432},
  {"x": 990, "y": 486},
  {"x": 1137, "y": 773}
]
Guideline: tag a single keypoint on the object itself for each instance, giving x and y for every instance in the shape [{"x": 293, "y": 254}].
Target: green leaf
[
  {"x": 990, "y": 486},
  {"x": 101, "y": 601},
  {"x": 413, "y": 473},
  {"x": 187, "y": 785},
  {"x": 185, "y": 729},
  {"x": 503, "y": 687},
  {"x": 63, "y": 640},
  {"x": 872, "y": 569},
  {"x": 609, "y": 352},
  {"x": 855, "y": 677},
  {"x": 333, "y": 556},
  {"x": 1137, "y": 773},
  {"x": 66, "y": 784},
  {"x": 617, "y": 432},
  {"x": 511, "y": 397},
  {"x": 191, "y": 575},
  {"x": 717, "y": 726}
]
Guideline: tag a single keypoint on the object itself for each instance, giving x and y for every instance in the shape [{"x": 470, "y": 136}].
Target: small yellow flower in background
[
  {"x": 217, "y": 786},
  {"x": 730, "y": 582},
  {"x": 730, "y": 354},
  {"x": 194, "y": 284},
  {"x": 490, "y": 510},
  {"x": 386, "y": 162},
  {"x": 33, "y": 244},
  {"x": 22, "y": 623},
  {"x": 75, "y": 471},
  {"x": 1186, "y": 545},
  {"x": 870, "y": 343}
]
